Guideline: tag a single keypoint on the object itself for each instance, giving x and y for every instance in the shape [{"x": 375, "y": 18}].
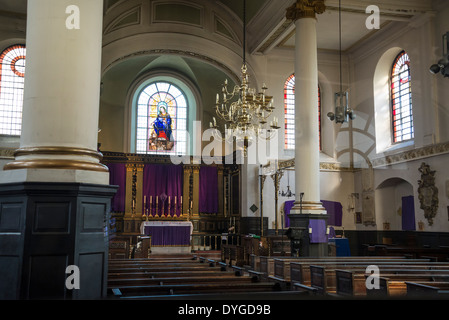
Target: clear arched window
[
  {"x": 401, "y": 99},
  {"x": 12, "y": 78},
  {"x": 161, "y": 120},
  {"x": 289, "y": 113}
]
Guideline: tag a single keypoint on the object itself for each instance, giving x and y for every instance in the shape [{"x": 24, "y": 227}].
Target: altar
[{"x": 168, "y": 233}]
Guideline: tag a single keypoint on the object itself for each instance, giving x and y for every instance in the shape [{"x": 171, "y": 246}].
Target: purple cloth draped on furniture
[
  {"x": 408, "y": 213},
  {"x": 162, "y": 181},
  {"x": 208, "y": 190},
  {"x": 335, "y": 212},
  {"x": 117, "y": 177},
  {"x": 287, "y": 207},
  {"x": 168, "y": 233},
  {"x": 318, "y": 234}
]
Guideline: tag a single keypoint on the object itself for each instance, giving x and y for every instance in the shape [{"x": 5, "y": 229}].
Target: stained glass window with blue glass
[{"x": 161, "y": 120}]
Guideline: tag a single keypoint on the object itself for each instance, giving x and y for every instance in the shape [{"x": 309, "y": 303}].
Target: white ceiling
[
  {"x": 279, "y": 32},
  {"x": 268, "y": 15}
]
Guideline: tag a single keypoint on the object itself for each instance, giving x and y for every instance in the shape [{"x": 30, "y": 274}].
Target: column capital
[{"x": 305, "y": 9}]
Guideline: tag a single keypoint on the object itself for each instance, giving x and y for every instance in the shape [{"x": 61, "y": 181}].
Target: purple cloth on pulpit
[
  {"x": 162, "y": 181},
  {"x": 117, "y": 177},
  {"x": 318, "y": 234},
  {"x": 208, "y": 190},
  {"x": 334, "y": 211},
  {"x": 288, "y": 205}
]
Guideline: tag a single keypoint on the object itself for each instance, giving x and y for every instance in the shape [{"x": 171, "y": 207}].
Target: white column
[
  {"x": 61, "y": 96},
  {"x": 307, "y": 150}
]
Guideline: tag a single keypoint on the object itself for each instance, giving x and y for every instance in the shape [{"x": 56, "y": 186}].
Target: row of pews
[
  {"x": 276, "y": 277},
  {"x": 188, "y": 277},
  {"x": 346, "y": 277}
]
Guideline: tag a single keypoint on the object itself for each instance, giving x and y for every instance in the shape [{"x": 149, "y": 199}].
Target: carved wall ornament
[
  {"x": 427, "y": 192},
  {"x": 305, "y": 9}
]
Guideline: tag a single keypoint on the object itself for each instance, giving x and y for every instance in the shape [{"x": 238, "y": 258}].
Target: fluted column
[
  {"x": 307, "y": 152},
  {"x": 61, "y": 95}
]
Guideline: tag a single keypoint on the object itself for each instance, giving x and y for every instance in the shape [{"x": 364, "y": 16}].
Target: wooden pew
[
  {"x": 327, "y": 281},
  {"x": 395, "y": 284},
  {"x": 279, "y": 268},
  {"x": 391, "y": 282},
  {"x": 175, "y": 279},
  {"x": 232, "y": 254},
  {"x": 282, "y": 265},
  {"x": 441, "y": 253},
  {"x": 145, "y": 278},
  {"x": 165, "y": 273},
  {"x": 195, "y": 288},
  {"x": 429, "y": 289},
  {"x": 300, "y": 270}
]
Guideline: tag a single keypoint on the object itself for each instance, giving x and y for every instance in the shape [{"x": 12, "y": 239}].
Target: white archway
[{"x": 394, "y": 204}]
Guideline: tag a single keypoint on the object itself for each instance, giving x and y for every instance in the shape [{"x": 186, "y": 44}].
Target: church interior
[{"x": 254, "y": 148}]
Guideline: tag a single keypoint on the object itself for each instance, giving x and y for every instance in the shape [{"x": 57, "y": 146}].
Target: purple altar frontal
[{"x": 168, "y": 233}]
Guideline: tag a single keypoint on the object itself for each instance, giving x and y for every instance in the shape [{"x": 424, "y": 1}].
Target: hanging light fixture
[
  {"x": 443, "y": 64},
  {"x": 244, "y": 111},
  {"x": 287, "y": 193},
  {"x": 342, "y": 111}
]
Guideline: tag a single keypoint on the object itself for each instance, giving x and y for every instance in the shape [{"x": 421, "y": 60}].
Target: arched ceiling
[{"x": 268, "y": 28}]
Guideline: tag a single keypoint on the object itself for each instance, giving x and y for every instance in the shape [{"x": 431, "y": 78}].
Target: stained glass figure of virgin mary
[
  {"x": 161, "y": 119},
  {"x": 162, "y": 135}
]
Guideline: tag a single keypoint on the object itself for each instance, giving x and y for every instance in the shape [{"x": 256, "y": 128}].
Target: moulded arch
[
  {"x": 389, "y": 195},
  {"x": 381, "y": 90}
]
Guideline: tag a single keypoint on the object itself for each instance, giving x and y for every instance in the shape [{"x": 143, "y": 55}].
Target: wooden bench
[
  {"x": 300, "y": 271},
  {"x": 174, "y": 279},
  {"x": 165, "y": 273},
  {"x": 282, "y": 265},
  {"x": 429, "y": 289},
  {"x": 152, "y": 270},
  {"x": 391, "y": 282},
  {"x": 327, "y": 276},
  {"x": 266, "y": 264},
  {"x": 232, "y": 254},
  {"x": 145, "y": 278},
  {"x": 191, "y": 288},
  {"x": 395, "y": 284}
]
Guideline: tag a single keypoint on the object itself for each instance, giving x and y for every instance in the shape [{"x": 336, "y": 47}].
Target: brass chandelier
[{"x": 245, "y": 111}]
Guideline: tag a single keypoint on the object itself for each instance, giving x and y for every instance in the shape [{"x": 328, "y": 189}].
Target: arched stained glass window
[
  {"x": 161, "y": 120},
  {"x": 289, "y": 112},
  {"x": 12, "y": 78},
  {"x": 401, "y": 99}
]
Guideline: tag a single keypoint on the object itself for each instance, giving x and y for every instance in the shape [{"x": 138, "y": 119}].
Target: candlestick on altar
[
  {"x": 181, "y": 206},
  {"x": 144, "y": 205},
  {"x": 176, "y": 208},
  {"x": 151, "y": 204},
  {"x": 157, "y": 206},
  {"x": 168, "y": 210}
]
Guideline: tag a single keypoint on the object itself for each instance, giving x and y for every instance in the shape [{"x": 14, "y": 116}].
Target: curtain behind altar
[
  {"x": 162, "y": 181},
  {"x": 117, "y": 177},
  {"x": 208, "y": 190}
]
